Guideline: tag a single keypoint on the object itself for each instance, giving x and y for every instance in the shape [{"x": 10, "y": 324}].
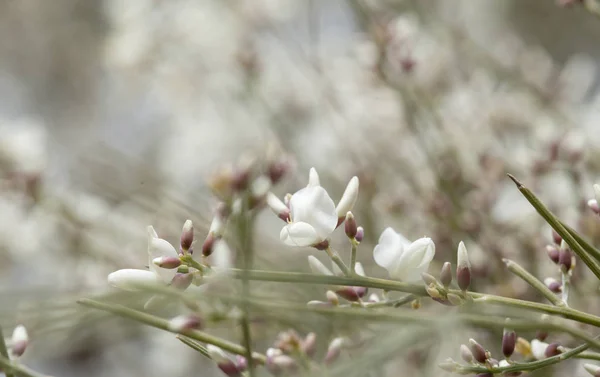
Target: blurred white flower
[
  {"x": 157, "y": 248},
  {"x": 404, "y": 260},
  {"x": 538, "y": 349},
  {"x": 19, "y": 340},
  {"x": 23, "y": 146}
]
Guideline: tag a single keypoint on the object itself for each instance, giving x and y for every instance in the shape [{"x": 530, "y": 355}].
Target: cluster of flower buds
[
  {"x": 349, "y": 293},
  {"x": 280, "y": 358},
  {"x": 560, "y": 253},
  {"x": 19, "y": 341},
  {"x": 231, "y": 366},
  {"x": 593, "y": 203}
]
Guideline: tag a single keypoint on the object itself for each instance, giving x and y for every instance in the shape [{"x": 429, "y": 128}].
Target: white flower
[
  {"x": 404, "y": 260},
  {"x": 348, "y": 198},
  {"x": 130, "y": 279},
  {"x": 538, "y": 349}
]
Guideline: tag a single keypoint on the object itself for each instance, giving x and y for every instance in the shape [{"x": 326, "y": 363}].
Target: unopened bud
[
  {"x": 553, "y": 253},
  {"x": 541, "y": 335},
  {"x": 593, "y": 205},
  {"x": 553, "y": 285},
  {"x": 352, "y": 293},
  {"x": 552, "y": 350},
  {"x": 167, "y": 262},
  {"x": 350, "y": 226},
  {"x": 333, "y": 298},
  {"x": 446, "y": 274},
  {"x": 185, "y": 322},
  {"x": 278, "y": 207},
  {"x": 463, "y": 268},
  {"x": 429, "y": 279},
  {"x": 477, "y": 350},
  {"x": 565, "y": 260},
  {"x": 523, "y": 347},
  {"x": 208, "y": 245},
  {"x": 227, "y": 366},
  {"x": 309, "y": 344},
  {"x": 433, "y": 292},
  {"x": 509, "y": 341},
  {"x": 277, "y": 363},
  {"x": 556, "y": 237},
  {"x": 19, "y": 340},
  {"x": 348, "y": 199},
  {"x": 334, "y": 350},
  {"x": 538, "y": 349},
  {"x": 466, "y": 354},
  {"x": 455, "y": 300},
  {"x": 277, "y": 169},
  {"x": 187, "y": 236},
  {"x": 592, "y": 369},
  {"x": 182, "y": 281},
  {"x": 360, "y": 234}
]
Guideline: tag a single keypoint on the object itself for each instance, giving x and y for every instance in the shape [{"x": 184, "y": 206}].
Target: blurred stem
[
  {"x": 4, "y": 352},
  {"x": 194, "y": 345},
  {"x": 163, "y": 324},
  {"x": 585, "y": 244},
  {"x": 353, "y": 257},
  {"x": 15, "y": 369},
  {"x": 335, "y": 257},
  {"x": 566, "y": 282},
  {"x": 393, "y": 303},
  {"x": 533, "y": 282},
  {"x": 558, "y": 227}
]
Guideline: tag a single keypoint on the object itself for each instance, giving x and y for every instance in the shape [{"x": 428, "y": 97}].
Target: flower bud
[
  {"x": 478, "y": 351},
  {"x": 360, "y": 234},
  {"x": 227, "y": 366},
  {"x": 552, "y": 350},
  {"x": 538, "y": 349},
  {"x": 334, "y": 350},
  {"x": 277, "y": 363},
  {"x": 565, "y": 260},
  {"x": 429, "y": 279},
  {"x": 348, "y": 198},
  {"x": 187, "y": 236},
  {"x": 185, "y": 322},
  {"x": 446, "y": 274},
  {"x": 182, "y": 281},
  {"x": 466, "y": 354},
  {"x": 433, "y": 292},
  {"x": 350, "y": 226},
  {"x": 278, "y": 207},
  {"x": 352, "y": 294},
  {"x": 491, "y": 363},
  {"x": 208, "y": 245},
  {"x": 448, "y": 365},
  {"x": 509, "y": 341},
  {"x": 593, "y": 205},
  {"x": 553, "y": 284},
  {"x": 553, "y": 253},
  {"x": 556, "y": 237},
  {"x": 541, "y": 335},
  {"x": 592, "y": 369},
  {"x": 309, "y": 344},
  {"x": 333, "y": 298},
  {"x": 277, "y": 169},
  {"x": 217, "y": 226},
  {"x": 463, "y": 268},
  {"x": 167, "y": 262},
  {"x": 19, "y": 340}
]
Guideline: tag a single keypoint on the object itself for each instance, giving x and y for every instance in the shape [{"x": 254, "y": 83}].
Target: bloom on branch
[{"x": 404, "y": 260}]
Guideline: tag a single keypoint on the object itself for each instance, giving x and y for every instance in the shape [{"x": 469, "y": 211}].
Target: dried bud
[
  {"x": 187, "y": 236},
  {"x": 167, "y": 262},
  {"x": 553, "y": 253},
  {"x": 509, "y": 341},
  {"x": 552, "y": 350},
  {"x": 185, "y": 322},
  {"x": 19, "y": 340},
  {"x": 278, "y": 207},
  {"x": 334, "y": 350},
  {"x": 182, "y": 281},
  {"x": 446, "y": 274},
  {"x": 556, "y": 237},
  {"x": 360, "y": 234},
  {"x": 429, "y": 279},
  {"x": 592, "y": 369},
  {"x": 565, "y": 260},
  {"x": 463, "y": 268},
  {"x": 350, "y": 226},
  {"x": 553, "y": 284},
  {"x": 478, "y": 351},
  {"x": 466, "y": 354}
]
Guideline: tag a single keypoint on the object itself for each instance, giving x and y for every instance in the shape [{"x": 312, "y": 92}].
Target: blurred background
[{"x": 114, "y": 114}]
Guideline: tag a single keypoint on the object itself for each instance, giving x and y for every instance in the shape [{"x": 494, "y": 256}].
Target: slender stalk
[
  {"x": 194, "y": 345},
  {"x": 533, "y": 282},
  {"x": 4, "y": 352},
  {"x": 393, "y": 303},
  {"x": 15, "y": 369},
  {"x": 353, "y": 257},
  {"x": 558, "y": 227},
  {"x": 335, "y": 257},
  {"x": 566, "y": 284},
  {"x": 594, "y": 252},
  {"x": 163, "y": 324}
]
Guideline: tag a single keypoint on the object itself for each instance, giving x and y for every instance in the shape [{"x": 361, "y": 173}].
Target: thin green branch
[
  {"x": 12, "y": 368},
  {"x": 194, "y": 345},
  {"x": 335, "y": 257},
  {"x": 4, "y": 351},
  {"x": 353, "y": 257},
  {"x": 594, "y": 252},
  {"x": 163, "y": 324},
  {"x": 557, "y": 226},
  {"x": 533, "y": 281}
]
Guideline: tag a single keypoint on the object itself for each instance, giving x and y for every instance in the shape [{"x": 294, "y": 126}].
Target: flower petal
[
  {"x": 299, "y": 234},
  {"x": 389, "y": 249},
  {"x": 414, "y": 261},
  {"x": 314, "y": 206},
  {"x": 348, "y": 198},
  {"x": 313, "y": 178},
  {"x": 131, "y": 279},
  {"x": 317, "y": 267},
  {"x": 157, "y": 247}
]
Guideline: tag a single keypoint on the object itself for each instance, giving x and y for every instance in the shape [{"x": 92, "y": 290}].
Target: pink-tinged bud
[
  {"x": 309, "y": 344},
  {"x": 19, "y": 340},
  {"x": 565, "y": 260},
  {"x": 227, "y": 366},
  {"x": 277, "y": 170},
  {"x": 478, "y": 351},
  {"x": 541, "y": 335},
  {"x": 553, "y": 285},
  {"x": 592, "y": 369},
  {"x": 208, "y": 245},
  {"x": 553, "y": 253},
  {"x": 352, "y": 293},
  {"x": 509, "y": 341},
  {"x": 593, "y": 204},
  {"x": 360, "y": 234},
  {"x": 333, "y": 298},
  {"x": 240, "y": 179},
  {"x": 556, "y": 237},
  {"x": 552, "y": 350},
  {"x": 448, "y": 365},
  {"x": 187, "y": 236},
  {"x": 168, "y": 263},
  {"x": 334, "y": 350},
  {"x": 350, "y": 226},
  {"x": 446, "y": 274},
  {"x": 466, "y": 354},
  {"x": 182, "y": 281},
  {"x": 348, "y": 198},
  {"x": 278, "y": 207},
  {"x": 463, "y": 268},
  {"x": 185, "y": 322}
]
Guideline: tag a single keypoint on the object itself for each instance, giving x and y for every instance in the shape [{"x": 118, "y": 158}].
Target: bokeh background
[{"x": 114, "y": 114}]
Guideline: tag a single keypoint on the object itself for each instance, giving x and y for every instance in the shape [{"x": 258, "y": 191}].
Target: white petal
[
  {"x": 313, "y": 205},
  {"x": 538, "y": 349},
  {"x": 299, "y": 234},
  {"x": 389, "y": 249},
  {"x": 276, "y": 204},
  {"x": 463, "y": 256},
  {"x": 132, "y": 279},
  {"x": 313, "y": 178},
  {"x": 151, "y": 232},
  {"x": 217, "y": 354},
  {"x": 222, "y": 257},
  {"x": 216, "y": 226},
  {"x": 414, "y": 261},
  {"x": 161, "y": 248},
  {"x": 260, "y": 186},
  {"x": 348, "y": 199},
  {"x": 358, "y": 268},
  {"x": 317, "y": 267}
]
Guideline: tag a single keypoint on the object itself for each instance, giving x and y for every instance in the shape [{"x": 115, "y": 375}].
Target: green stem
[
  {"x": 163, "y": 324},
  {"x": 245, "y": 233},
  {"x": 532, "y": 281},
  {"x": 558, "y": 227},
  {"x": 14, "y": 369},
  {"x": 194, "y": 345},
  {"x": 583, "y": 242},
  {"x": 4, "y": 351},
  {"x": 335, "y": 257},
  {"x": 393, "y": 303},
  {"x": 353, "y": 257}
]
